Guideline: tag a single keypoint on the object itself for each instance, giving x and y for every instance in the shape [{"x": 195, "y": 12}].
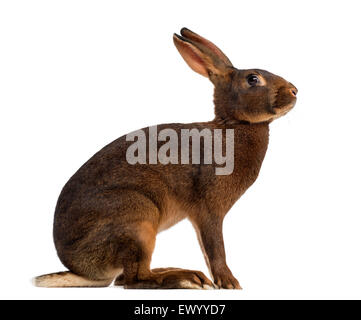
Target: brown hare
[{"x": 110, "y": 211}]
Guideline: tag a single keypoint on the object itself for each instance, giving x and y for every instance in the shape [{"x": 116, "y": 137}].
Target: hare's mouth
[
  {"x": 283, "y": 100},
  {"x": 282, "y": 110},
  {"x": 287, "y": 106}
]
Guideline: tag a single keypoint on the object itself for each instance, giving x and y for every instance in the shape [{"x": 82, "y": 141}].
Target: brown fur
[{"x": 109, "y": 213}]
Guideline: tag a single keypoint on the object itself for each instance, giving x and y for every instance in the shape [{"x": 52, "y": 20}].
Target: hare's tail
[{"x": 67, "y": 280}]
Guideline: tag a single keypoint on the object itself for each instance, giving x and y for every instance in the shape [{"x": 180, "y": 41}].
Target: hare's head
[{"x": 240, "y": 95}]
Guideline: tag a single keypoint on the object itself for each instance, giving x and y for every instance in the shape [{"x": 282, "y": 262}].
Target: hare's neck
[
  {"x": 233, "y": 123},
  {"x": 228, "y": 121},
  {"x": 250, "y": 139},
  {"x": 250, "y": 147}
]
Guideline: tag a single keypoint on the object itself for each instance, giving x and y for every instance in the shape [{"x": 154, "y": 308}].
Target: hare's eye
[{"x": 252, "y": 80}]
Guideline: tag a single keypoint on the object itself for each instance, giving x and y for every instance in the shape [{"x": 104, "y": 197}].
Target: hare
[{"x": 110, "y": 211}]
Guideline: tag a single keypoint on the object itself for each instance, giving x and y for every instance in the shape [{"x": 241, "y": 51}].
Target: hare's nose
[{"x": 293, "y": 90}]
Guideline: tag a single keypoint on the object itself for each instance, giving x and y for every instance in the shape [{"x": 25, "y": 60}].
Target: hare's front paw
[{"x": 226, "y": 280}]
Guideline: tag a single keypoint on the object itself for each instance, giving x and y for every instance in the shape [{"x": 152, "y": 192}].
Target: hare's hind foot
[
  {"x": 169, "y": 278},
  {"x": 120, "y": 280}
]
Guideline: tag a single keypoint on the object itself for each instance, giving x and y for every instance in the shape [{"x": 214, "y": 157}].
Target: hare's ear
[
  {"x": 202, "y": 56},
  {"x": 208, "y": 46}
]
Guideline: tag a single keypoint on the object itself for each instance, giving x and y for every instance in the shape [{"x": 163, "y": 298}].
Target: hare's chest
[{"x": 224, "y": 190}]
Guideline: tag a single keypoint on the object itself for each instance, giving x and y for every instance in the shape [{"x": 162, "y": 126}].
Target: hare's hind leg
[
  {"x": 172, "y": 279},
  {"x": 136, "y": 242},
  {"x": 137, "y": 273},
  {"x": 120, "y": 280}
]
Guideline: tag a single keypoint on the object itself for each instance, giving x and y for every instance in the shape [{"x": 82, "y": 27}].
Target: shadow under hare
[{"x": 110, "y": 211}]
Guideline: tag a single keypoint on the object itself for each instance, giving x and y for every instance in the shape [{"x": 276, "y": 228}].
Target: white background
[{"x": 75, "y": 75}]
